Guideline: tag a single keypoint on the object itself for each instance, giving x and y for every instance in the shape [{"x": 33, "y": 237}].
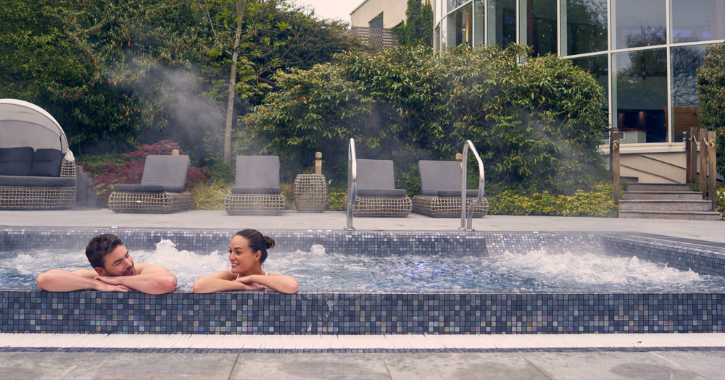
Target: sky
[{"x": 337, "y": 9}]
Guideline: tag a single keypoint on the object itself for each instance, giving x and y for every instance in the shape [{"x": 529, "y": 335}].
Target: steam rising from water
[{"x": 319, "y": 270}]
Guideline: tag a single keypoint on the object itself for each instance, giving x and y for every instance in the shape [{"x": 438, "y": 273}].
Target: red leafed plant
[{"x": 109, "y": 174}]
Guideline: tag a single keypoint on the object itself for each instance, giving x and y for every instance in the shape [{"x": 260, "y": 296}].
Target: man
[{"x": 113, "y": 271}]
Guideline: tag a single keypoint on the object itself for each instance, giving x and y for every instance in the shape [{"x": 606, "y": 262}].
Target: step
[
  {"x": 664, "y": 205},
  {"x": 683, "y": 215},
  {"x": 658, "y": 187},
  {"x": 662, "y": 195}
]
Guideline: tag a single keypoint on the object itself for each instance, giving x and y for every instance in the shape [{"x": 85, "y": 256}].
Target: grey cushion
[
  {"x": 139, "y": 188},
  {"x": 16, "y": 161},
  {"x": 167, "y": 171},
  {"x": 257, "y": 172},
  {"x": 395, "y": 193},
  {"x": 31, "y": 181},
  {"x": 46, "y": 163},
  {"x": 441, "y": 177},
  {"x": 457, "y": 193},
  {"x": 375, "y": 174},
  {"x": 256, "y": 190}
]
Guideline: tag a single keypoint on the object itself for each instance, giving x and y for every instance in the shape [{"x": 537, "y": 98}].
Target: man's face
[{"x": 117, "y": 263}]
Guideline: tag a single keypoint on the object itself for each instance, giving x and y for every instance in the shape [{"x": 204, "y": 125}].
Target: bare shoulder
[{"x": 149, "y": 268}]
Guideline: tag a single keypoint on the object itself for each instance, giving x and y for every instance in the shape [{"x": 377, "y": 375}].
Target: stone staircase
[{"x": 665, "y": 201}]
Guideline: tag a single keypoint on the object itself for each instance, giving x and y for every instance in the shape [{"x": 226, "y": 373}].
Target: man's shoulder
[{"x": 142, "y": 267}]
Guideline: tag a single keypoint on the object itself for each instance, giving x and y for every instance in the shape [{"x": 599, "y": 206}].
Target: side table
[{"x": 310, "y": 192}]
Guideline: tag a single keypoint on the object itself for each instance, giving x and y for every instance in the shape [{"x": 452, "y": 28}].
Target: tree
[
  {"x": 418, "y": 27},
  {"x": 711, "y": 92}
]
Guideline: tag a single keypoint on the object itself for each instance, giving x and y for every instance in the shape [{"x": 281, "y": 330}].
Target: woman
[{"x": 247, "y": 252}]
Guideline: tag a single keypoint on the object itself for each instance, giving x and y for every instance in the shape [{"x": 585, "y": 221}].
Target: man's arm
[
  {"x": 151, "y": 279},
  {"x": 56, "y": 280},
  {"x": 221, "y": 281}
]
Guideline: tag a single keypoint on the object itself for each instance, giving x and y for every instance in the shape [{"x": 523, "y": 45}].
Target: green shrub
[
  {"x": 711, "y": 93},
  {"x": 334, "y": 198},
  {"x": 289, "y": 195},
  {"x": 597, "y": 202},
  {"x": 210, "y": 195},
  {"x": 537, "y": 125}
]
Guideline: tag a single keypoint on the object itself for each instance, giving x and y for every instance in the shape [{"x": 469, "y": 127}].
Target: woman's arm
[
  {"x": 278, "y": 282},
  {"x": 221, "y": 281},
  {"x": 56, "y": 280}
]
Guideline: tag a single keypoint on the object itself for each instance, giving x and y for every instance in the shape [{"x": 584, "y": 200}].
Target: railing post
[
  {"x": 686, "y": 140},
  {"x": 711, "y": 155},
  {"x": 703, "y": 162},
  {"x": 351, "y": 183},
  {"x": 692, "y": 174},
  {"x": 481, "y": 183},
  {"x": 615, "y": 164}
]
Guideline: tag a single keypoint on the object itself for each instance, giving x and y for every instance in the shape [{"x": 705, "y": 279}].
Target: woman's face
[{"x": 241, "y": 257}]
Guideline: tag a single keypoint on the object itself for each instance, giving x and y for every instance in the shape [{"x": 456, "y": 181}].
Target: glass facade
[{"x": 644, "y": 53}]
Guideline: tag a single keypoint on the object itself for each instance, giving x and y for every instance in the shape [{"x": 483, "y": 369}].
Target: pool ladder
[{"x": 352, "y": 185}]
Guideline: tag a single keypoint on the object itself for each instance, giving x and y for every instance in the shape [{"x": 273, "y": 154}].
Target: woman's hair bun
[{"x": 270, "y": 242}]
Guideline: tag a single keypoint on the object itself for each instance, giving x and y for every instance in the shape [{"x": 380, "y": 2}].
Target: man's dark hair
[{"x": 99, "y": 247}]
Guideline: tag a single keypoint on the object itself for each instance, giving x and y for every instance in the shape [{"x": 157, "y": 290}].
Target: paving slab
[
  {"x": 159, "y": 366},
  {"x": 460, "y": 366},
  {"x": 364, "y": 366},
  {"x": 39, "y": 365},
  {"x": 708, "y": 364},
  {"x": 607, "y": 366}
]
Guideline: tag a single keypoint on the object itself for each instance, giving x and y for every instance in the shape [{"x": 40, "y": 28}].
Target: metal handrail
[
  {"x": 464, "y": 174},
  {"x": 351, "y": 183}
]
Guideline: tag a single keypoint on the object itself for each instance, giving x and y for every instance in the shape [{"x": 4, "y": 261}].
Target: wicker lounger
[
  {"x": 39, "y": 197},
  {"x": 161, "y": 189},
  {"x": 441, "y": 193},
  {"x": 256, "y": 191},
  {"x": 376, "y": 192}
]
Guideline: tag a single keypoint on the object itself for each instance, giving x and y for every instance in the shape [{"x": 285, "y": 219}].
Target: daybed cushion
[
  {"x": 394, "y": 193},
  {"x": 46, "y": 163},
  {"x": 139, "y": 188},
  {"x": 257, "y": 172},
  {"x": 256, "y": 190},
  {"x": 16, "y": 161},
  {"x": 167, "y": 171},
  {"x": 375, "y": 175},
  {"x": 31, "y": 181},
  {"x": 442, "y": 178}
]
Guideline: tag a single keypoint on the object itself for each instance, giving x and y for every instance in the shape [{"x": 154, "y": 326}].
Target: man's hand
[{"x": 105, "y": 287}]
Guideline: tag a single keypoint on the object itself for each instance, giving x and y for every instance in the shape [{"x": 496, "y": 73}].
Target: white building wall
[{"x": 393, "y": 12}]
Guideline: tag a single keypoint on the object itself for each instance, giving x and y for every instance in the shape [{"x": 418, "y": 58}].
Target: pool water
[{"x": 317, "y": 270}]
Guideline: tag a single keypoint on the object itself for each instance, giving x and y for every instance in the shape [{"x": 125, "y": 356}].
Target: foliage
[
  {"x": 110, "y": 173},
  {"x": 598, "y": 202},
  {"x": 334, "y": 199},
  {"x": 537, "y": 125},
  {"x": 210, "y": 195},
  {"x": 711, "y": 92},
  {"x": 418, "y": 27},
  {"x": 721, "y": 199},
  {"x": 288, "y": 190}
]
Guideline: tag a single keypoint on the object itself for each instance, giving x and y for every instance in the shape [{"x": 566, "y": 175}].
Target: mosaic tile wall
[
  {"x": 369, "y": 242},
  {"x": 552, "y": 242},
  {"x": 358, "y": 313},
  {"x": 700, "y": 258}
]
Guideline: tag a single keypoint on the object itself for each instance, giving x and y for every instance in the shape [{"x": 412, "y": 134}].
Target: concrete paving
[
  {"x": 671, "y": 364},
  {"x": 713, "y": 231},
  {"x": 368, "y": 366}
]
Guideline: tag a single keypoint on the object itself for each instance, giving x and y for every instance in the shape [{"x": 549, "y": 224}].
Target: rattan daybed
[
  {"x": 161, "y": 189},
  {"x": 376, "y": 192},
  {"x": 256, "y": 191},
  {"x": 440, "y": 183},
  {"x": 37, "y": 169}
]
